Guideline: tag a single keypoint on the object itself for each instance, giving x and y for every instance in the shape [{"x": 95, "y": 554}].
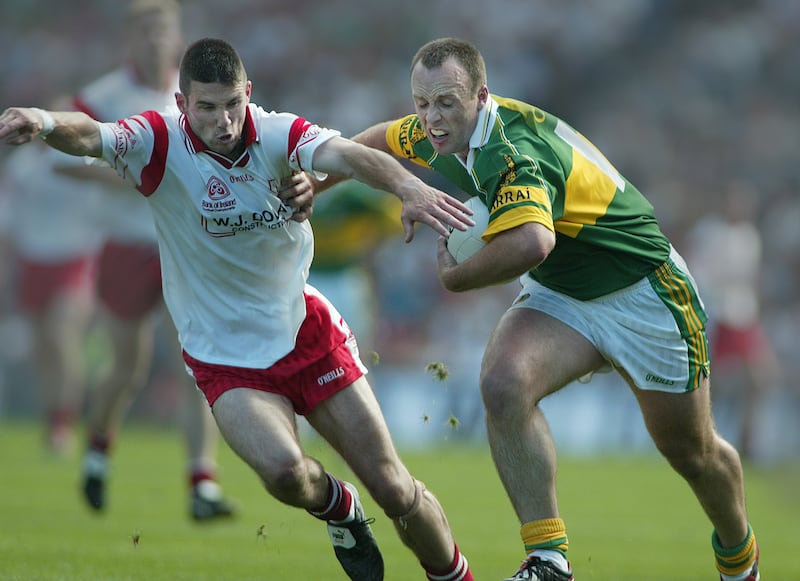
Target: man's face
[
  {"x": 446, "y": 106},
  {"x": 216, "y": 114}
]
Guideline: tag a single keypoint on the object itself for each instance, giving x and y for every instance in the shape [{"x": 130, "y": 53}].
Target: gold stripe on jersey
[
  {"x": 589, "y": 193},
  {"x": 517, "y": 205},
  {"x": 402, "y": 144},
  {"x": 516, "y": 218}
]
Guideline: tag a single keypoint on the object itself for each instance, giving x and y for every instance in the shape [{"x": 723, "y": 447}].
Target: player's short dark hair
[
  {"x": 210, "y": 60},
  {"x": 434, "y": 53}
]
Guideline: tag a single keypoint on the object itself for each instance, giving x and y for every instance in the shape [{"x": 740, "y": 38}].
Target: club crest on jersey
[
  {"x": 217, "y": 190},
  {"x": 509, "y": 174},
  {"x": 218, "y": 194}
]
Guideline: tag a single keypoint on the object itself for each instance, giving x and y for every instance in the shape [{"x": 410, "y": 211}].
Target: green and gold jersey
[{"x": 530, "y": 166}]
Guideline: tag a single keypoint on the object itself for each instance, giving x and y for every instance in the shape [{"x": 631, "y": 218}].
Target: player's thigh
[
  {"x": 531, "y": 348},
  {"x": 260, "y": 427},
  {"x": 352, "y": 422},
  {"x": 679, "y": 423}
]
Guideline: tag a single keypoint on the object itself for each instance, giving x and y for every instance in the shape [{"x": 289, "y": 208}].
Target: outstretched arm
[
  {"x": 71, "y": 132},
  {"x": 421, "y": 203},
  {"x": 374, "y": 137}
]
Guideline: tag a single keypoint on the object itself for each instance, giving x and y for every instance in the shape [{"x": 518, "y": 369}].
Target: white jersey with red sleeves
[
  {"x": 124, "y": 216},
  {"x": 234, "y": 265}
]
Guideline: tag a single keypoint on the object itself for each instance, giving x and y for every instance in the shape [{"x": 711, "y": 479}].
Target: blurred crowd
[{"x": 685, "y": 98}]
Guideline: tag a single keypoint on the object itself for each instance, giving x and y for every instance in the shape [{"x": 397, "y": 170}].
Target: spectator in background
[
  {"x": 726, "y": 252},
  {"x": 129, "y": 274},
  {"x": 55, "y": 246}
]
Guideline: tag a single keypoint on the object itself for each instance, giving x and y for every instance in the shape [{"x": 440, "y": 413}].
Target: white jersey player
[
  {"x": 261, "y": 345},
  {"x": 128, "y": 283}
]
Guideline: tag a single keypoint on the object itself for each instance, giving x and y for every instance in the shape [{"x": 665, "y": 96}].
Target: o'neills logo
[
  {"x": 656, "y": 379},
  {"x": 330, "y": 376}
]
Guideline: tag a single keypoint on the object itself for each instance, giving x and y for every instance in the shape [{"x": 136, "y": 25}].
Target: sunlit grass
[{"x": 626, "y": 518}]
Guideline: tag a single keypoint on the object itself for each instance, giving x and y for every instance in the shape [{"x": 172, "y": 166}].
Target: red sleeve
[
  {"x": 153, "y": 172},
  {"x": 297, "y": 131}
]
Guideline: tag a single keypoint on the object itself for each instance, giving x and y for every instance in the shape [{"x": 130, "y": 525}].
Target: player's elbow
[
  {"x": 534, "y": 244},
  {"x": 538, "y": 255}
]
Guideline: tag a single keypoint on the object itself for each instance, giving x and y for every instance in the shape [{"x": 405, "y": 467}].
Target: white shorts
[{"x": 654, "y": 329}]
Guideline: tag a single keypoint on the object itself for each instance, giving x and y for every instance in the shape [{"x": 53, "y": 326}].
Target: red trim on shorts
[
  {"x": 129, "y": 279},
  {"x": 41, "y": 283},
  {"x": 324, "y": 362}
]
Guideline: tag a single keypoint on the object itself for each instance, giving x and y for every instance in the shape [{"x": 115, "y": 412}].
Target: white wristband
[{"x": 48, "y": 123}]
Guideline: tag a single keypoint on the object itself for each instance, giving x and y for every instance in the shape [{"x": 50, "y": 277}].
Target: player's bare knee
[
  {"x": 285, "y": 481},
  {"x": 392, "y": 493},
  {"x": 689, "y": 458},
  {"x": 495, "y": 392},
  {"x": 505, "y": 394},
  {"x": 408, "y": 512}
]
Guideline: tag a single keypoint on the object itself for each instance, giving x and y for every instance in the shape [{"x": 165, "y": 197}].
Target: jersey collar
[
  {"x": 487, "y": 117},
  {"x": 483, "y": 128},
  {"x": 248, "y": 130}
]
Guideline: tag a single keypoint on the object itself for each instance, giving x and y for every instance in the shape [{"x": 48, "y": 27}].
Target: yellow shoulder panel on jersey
[
  {"x": 401, "y": 136},
  {"x": 589, "y": 193}
]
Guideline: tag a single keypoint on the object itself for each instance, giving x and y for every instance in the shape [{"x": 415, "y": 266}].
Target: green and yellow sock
[
  {"x": 547, "y": 534},
  {"x": 738, "y": 560}
]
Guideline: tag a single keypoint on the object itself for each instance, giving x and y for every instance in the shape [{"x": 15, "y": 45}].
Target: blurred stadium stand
[{"x": 678, "y": 94}]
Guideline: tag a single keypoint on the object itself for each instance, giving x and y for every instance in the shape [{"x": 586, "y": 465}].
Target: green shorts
[{"x": 654, "y": 329}]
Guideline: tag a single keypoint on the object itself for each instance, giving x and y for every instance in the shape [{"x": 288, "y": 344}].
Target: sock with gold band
[
  {"x": 548, "y": 533},
  {"x": 736, "y": 562}
]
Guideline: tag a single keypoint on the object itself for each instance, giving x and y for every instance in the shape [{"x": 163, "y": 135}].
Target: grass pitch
[{"x": 627, "y": 518}]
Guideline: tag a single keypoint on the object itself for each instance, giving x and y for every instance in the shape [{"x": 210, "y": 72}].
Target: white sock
[
  {"x": 739, "y": 577},
  {"x": 208, "y": 489},
  {"x": 95, "y": 464},
  {"x": 554, "y": 557}
]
